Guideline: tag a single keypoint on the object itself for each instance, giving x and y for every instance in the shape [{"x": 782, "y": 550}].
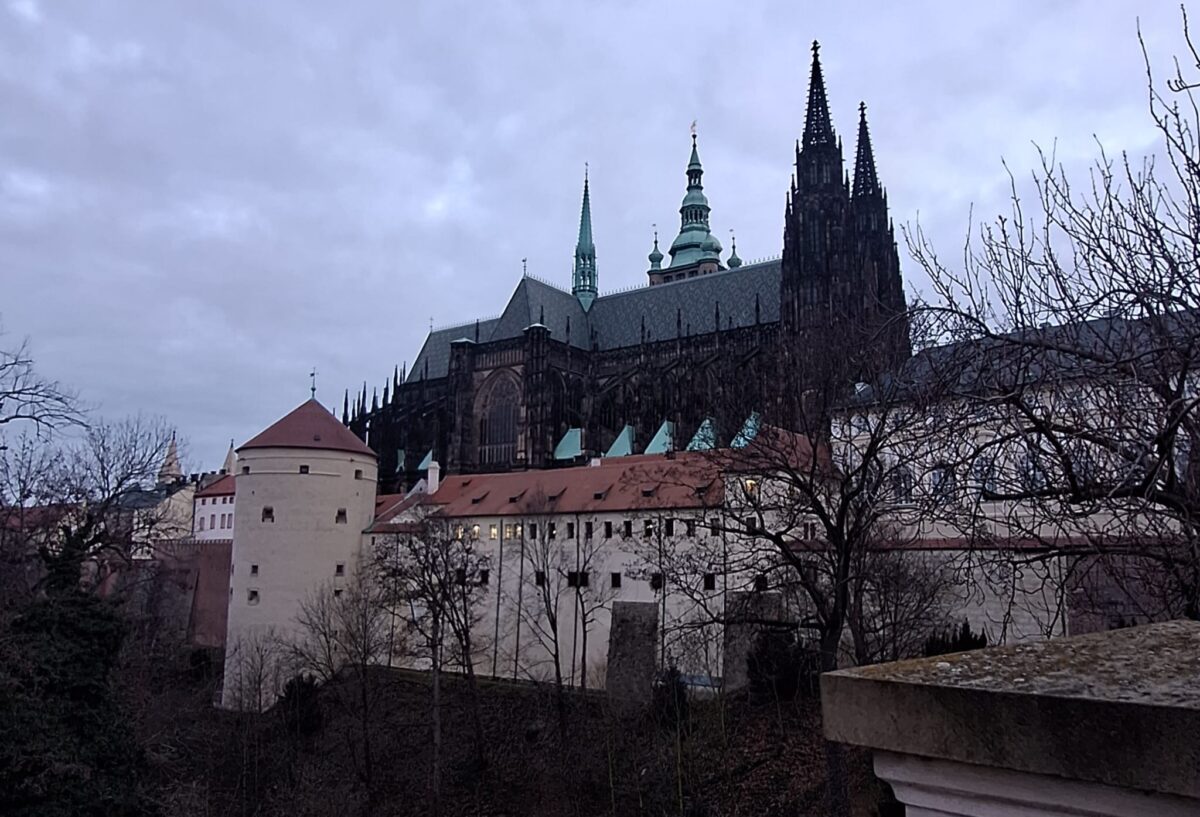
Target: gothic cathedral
[{"x": 562, "y": 376}]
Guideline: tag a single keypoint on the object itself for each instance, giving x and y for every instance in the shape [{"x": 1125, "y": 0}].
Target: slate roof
[
  {"x": 616, "y": 319},
  {"x": 309, "y": 425}
]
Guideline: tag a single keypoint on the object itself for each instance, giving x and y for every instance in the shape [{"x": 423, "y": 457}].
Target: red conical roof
[{"x": 310, "y": 425}]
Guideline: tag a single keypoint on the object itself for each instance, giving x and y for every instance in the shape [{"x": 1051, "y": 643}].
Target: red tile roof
[
  {"x": 645, "y": 482},
  {"x": 310, "y": 425},
  {"x": 220, "y": 487}
]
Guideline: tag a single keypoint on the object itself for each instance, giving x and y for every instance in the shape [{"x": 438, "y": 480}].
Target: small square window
[
  {"x": 303, "y": 469},
  {"x": 656, "y": 581},
  {"x": 251, "y": 597},
  {"x": 608, "y": 530},
  {"x": 245, "y": 469},
  {"x": 615, "y": 580},
  {"x": 253, "y": 570},
  {"x": 539, "y": 578},
  {"x": 337, "y": 593},
  {"x": 483, "y": 578},
  {"x": 358, "y": 473},
  {"x": 203, "y": 501},
  {"x": 710, "y": 581},
  {"x": 268, "y": 514},
  {"x": 339, "y": 569},
  {"x": 340, "y": 518}
]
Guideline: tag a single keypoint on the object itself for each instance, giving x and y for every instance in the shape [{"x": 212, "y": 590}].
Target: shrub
[
  {"x": 781, "y": 668},
  {"x": 955, "y": 641}
]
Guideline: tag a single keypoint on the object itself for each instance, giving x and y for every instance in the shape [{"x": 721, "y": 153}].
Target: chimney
[{"x": 433, "y": 477}]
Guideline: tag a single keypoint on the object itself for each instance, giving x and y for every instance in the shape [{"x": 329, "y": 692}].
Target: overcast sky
[{"x": 199, "y": 202}]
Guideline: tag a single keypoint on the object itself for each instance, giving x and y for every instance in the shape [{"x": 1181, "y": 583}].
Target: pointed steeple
[
  {"x": 230, "y": 464},
  {"x": 583, "y": 285},
  {"x": 866, "y": 181},
  {"x": 656, "y": 255},
  {"x": 170, "y": 470},
  {"x": 346, "y": 408},
  {"x": 818, "y": 130},
  {"x": 695, "y": 243},
  {"x": 734, "y": 262}
]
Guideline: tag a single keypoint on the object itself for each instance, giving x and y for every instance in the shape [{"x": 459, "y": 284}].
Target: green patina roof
[
  {"x": 749, "y": 431},
  {"x": 584, "y": 281},
  {"x": 570, "y": 446},
  {"x": 426, "y": 462},
  {"x": 664, "y": 439},
  {"x": 705, "y": 438},
  {"x": 623, "y": 445}
]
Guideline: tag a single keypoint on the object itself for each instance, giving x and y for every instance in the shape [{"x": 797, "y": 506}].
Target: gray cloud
[{"x": 198, "y": 204}]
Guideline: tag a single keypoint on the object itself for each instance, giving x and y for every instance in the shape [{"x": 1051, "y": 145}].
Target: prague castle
[{"x": 565, "y": 375}]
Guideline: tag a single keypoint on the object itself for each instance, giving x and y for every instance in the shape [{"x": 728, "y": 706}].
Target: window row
[
  {"x": 649, "y": 527},
  {"x": 225, "y": 500},
  {"x": 226, "y": 521},
  {"x": 358, "y": 472},
  {"x": 268, "y": 515}
]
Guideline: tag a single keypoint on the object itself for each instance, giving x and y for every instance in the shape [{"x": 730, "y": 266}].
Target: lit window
[
  {"x": 493, "y": 531},
  {"x": 517, "y": 530},
  {"x": 751, "y": 487},
  {"x": 475, "y": 531},
  {"x": 508, "y": 531},
  {"x": 458, "y": 531},
  {"x": 340, "y": 517}
]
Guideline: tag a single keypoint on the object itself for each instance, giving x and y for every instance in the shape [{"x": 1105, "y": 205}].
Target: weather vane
[
  {"x": 313, "y": 384},
  {"x": 693, "y": 127}
]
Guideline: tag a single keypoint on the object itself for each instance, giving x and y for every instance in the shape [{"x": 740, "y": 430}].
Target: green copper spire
[
  {"x": 695, "y": 243},
  {"x": 656, "y": 255},
  {"x": 583, "y": 285},
  {"x": 734, "y": 262}
]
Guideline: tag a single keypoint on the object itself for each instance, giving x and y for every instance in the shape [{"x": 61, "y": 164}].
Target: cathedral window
[{"x": 498, "y": 422}]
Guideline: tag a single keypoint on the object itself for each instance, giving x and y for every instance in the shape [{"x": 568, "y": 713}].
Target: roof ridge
[
  {"x": 447, "y": 327},
  {"x": 749, "y": 265}
]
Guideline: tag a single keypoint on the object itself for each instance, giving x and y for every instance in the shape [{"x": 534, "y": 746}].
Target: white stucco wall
[{"x": 286, "y": 560}]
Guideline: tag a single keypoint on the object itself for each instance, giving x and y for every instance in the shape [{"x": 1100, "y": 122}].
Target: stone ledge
[{"x": 1120, "y": 708}]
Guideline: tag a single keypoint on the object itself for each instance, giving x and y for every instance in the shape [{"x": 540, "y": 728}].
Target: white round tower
[{"x": 305, "y": 493}]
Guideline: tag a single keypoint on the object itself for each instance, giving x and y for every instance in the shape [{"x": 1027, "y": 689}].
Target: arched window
[{"x": 498, "y": 423}]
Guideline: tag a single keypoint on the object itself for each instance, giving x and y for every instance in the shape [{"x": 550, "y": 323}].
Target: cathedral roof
[
  {"x": 688, "y": 306},
  {"x": 309, "y": 425}
]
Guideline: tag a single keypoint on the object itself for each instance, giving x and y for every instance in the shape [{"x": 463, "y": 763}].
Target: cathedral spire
[
  {"x": 656, "y": 255},
  {"x": 818, "y": 130},
  {"x": 866, "y": 181},
  {"x": 695, "y": 244},
  {"x": 583, "y": 285}
]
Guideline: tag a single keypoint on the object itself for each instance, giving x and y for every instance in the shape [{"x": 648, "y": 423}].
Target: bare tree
[
  {"x": 437, "y": 579},
  {"x": 26, "y": 396},
  {"x": 342, "y": 635},
  {"x": 1075, "y": 324}
]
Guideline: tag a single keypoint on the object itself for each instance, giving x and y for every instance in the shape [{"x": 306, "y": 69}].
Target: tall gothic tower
[{"x": 841, "y": 279}]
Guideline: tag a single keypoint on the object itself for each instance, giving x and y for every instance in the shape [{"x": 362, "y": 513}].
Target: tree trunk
[{"x": 436, "y": 774}]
